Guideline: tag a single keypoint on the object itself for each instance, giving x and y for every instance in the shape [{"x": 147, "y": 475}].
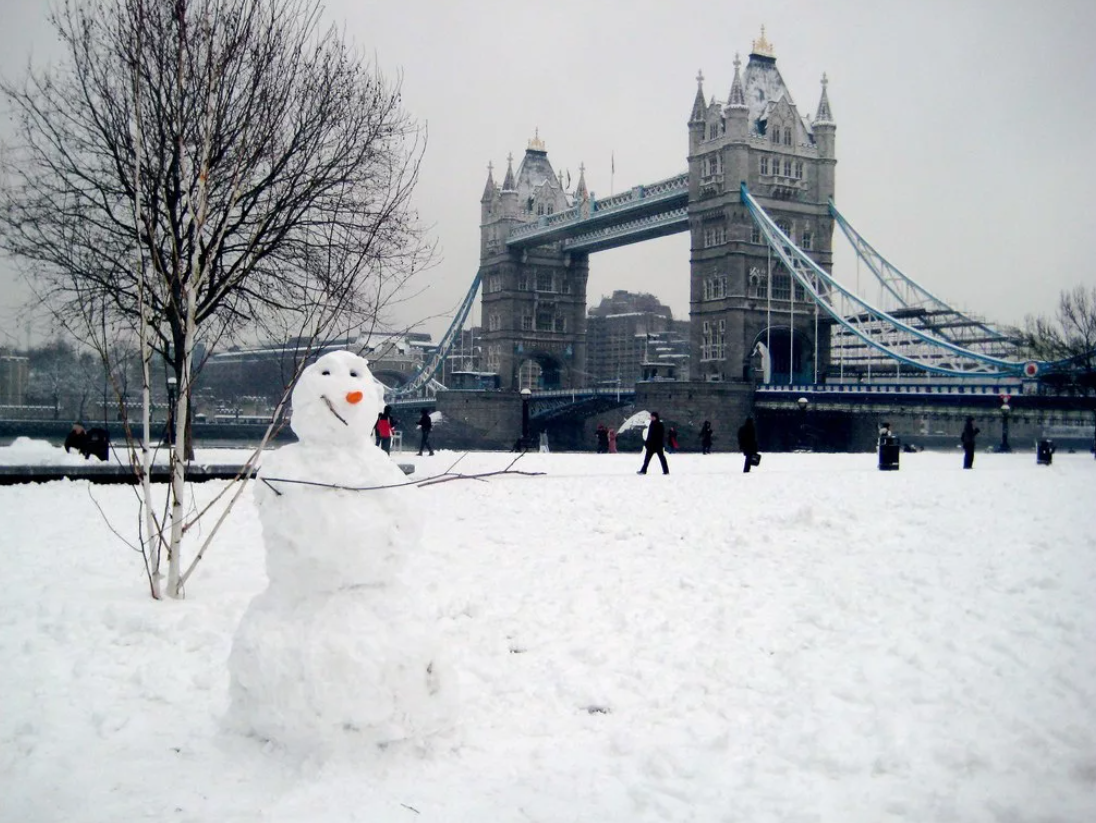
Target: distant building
[
  {"x": 631, "y": 337},
  {"x": 14, "y": 372},
  {"x": 247, "y": 375}
]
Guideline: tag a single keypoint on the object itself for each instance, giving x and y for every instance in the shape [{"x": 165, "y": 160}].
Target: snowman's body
[{"x": 337, "y": 643}]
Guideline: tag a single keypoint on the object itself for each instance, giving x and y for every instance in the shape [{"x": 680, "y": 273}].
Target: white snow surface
[{"x": 814, "y": 641}]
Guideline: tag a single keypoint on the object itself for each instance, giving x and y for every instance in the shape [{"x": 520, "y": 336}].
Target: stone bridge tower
[
  {"x": 533, "y": 300},
  {"x": 740, "y": 296}
]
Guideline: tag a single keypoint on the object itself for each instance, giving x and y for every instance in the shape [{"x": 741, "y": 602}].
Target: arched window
[
  {"x": 775, "y": 134},
  {"x": 757, "y": 283}
]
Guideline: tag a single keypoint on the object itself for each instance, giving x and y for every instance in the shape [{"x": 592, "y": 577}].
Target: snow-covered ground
[{"x": 814, "y": 641}]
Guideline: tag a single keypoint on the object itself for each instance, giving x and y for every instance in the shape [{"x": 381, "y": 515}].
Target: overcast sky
[{"x": 965, "y": 129}]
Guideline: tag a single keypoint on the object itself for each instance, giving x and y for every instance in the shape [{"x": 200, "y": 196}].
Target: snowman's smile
[{"x": 331, "y": 406}]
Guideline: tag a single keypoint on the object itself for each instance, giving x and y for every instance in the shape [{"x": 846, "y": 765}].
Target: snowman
[{"x": 336, "y": 649}]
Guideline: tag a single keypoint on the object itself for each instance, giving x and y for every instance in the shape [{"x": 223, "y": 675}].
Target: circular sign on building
[{"x": 1031, "y": 368}]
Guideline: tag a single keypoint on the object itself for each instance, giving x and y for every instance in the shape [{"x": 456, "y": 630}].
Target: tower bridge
[{"x": 757, "y": 199}]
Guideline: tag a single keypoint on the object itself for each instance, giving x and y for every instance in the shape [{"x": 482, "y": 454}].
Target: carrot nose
[{"x": 354, "y": 397}]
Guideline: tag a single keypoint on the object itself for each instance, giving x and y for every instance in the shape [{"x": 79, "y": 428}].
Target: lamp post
[
  {"x": 525, "y": 395},
  {"x": 803, "y": 403},
  {"x": 1005, "y": 409}
]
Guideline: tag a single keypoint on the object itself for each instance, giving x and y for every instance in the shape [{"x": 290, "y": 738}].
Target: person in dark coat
[
  {"x": 706, "y": 438},
  {"x": 77, "y": 438},
  {"x": 602, "y": 439},
  {"x": 967, "y": 439},
  {"x": 656, "y": 434},
  {"x": 94, "y": 441},
  {"x": 425, "y": 425},
  {"x": 747, "y": 444}
]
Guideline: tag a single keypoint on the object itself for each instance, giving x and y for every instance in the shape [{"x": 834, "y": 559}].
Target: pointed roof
[
  {"x": 698, "y": 103},
  {"x": 508, "y": 183},
  {"x": 824, "y": 117},
  {"x": 489, "y": 189},
  {"x": 580, "y": 190},
  {"x": 737, "y": 98}
]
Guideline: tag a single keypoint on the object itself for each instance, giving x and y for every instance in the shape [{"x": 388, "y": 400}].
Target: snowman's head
[{"x": 336, "y": 401}]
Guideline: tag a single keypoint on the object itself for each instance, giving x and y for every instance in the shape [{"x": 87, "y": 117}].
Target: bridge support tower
[
  {"x": 740, "y": 294},
  {"x": 533, "y": 300}
]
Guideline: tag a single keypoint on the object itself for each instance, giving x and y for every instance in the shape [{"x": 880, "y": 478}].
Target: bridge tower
[
  {"x": 740, "y": 295},
  {"x": 533, "y": 300}
]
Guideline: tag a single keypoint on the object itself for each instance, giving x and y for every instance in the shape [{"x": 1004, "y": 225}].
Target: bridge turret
[
  {"x": 696, "y": 119},
  {"x": 824, "y": 135},
  {"x": 509, "y": 194},
  {"x": 490, "y": 197},
  {"x": 737, "y": 113}
]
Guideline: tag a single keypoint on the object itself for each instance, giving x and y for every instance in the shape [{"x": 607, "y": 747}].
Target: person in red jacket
[{"x": 383, "y": 429}]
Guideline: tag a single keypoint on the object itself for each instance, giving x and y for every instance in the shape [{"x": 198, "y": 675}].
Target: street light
[
  {"x": 803, "y": 403},
  {"x": 1005, "y": 409},
  {"x": 525, "y": 395}
]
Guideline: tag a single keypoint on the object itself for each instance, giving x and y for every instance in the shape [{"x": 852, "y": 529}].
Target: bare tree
[
  {"x": 1069, "y": 338},
  {"x": 208, "y": 169}
]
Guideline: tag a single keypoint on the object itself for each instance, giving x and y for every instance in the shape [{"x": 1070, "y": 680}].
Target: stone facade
[{"x": 739, "y": 296}]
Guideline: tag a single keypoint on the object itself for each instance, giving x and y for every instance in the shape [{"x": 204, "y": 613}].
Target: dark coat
[
  {"x": 706, "y": 436},
  {"x": 425, "y": 423},
  {"x": 76, "y": 440},
  {"x": 968, "y": 435},
  {"x": 656, "y": 435},
  {"x": 747, "y": 437}
]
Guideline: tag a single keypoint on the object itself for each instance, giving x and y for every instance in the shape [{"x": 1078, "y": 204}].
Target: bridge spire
[
  {"x": 699, "y": 106},
  {"x": 737, "y": 97},
  {"x": 824, "y": 115},
  {"x": 580, "y": 190},
  {"x": 489, "y": 189},
  {"x": 508, "y": 182}
]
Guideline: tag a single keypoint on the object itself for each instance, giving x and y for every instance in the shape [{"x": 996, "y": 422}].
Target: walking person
[
  {"x": 383, "y": 429},
  {"x": 747, "y": 444},
  {"x": 967, "y": 439},
  {"x": 706, "y": 438},
  {"x": 671, "y": 440},
  {"x": 612, "y": 441},
  {"x": 425, "y": 425},
  {"x": 656, "y": 434}
]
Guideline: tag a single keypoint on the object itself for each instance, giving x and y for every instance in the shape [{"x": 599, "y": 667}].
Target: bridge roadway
[
  {"x": 641, "y": 213},
  {"x": 939, "y": 400}
]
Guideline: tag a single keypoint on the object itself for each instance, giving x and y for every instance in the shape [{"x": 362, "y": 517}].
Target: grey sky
[{"x": 964, "y": 129}]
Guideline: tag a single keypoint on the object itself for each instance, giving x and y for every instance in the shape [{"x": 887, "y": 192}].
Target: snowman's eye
[
  {"x": 326, "y": 372},
  {"x": 353, "y": 373}
]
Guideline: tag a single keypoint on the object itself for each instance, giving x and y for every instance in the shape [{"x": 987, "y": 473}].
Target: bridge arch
[
  {"x": 783, "y": 355},
  {"x": 539, "y": 370}
]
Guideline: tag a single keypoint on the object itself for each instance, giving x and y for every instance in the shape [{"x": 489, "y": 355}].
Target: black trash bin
[
  {"x": 1044, "y": 452},
  {"x": 889, "y": 450}
]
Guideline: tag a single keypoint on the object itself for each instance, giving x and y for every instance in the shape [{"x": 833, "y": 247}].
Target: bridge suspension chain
[
  {"x": 423, "y": 378},
  {"x": 878, "y": 329},
  {"x": 912, "y": 302}
]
